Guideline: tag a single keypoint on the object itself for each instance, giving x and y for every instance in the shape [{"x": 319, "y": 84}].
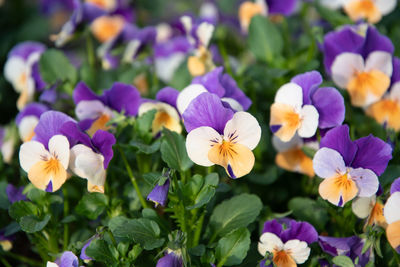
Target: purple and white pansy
[
  {"x": 350, "y": 168},
  {"x": 28, "y": 118},
  {"x": 22, "y": 70},
  {"x": 288, "y": 242}
]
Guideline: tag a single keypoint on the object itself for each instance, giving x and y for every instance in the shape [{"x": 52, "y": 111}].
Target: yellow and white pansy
[
  {"x": 392, "y": 216},
  {"x": 47, "y": 169},
  {"x": 370, "y": 209},
  {"x": 166, "y": 116},
  {"x": 248, "y": 10},
  {"x": 94, "y": 110},
  {"x": 366, "y": 81},
  {"x": 231, "y": 150},
  {"x": 370, "y": 10},
  {"x": 289, "y": 116}
]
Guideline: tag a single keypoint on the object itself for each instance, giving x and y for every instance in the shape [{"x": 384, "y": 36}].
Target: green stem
[
  {"x": 66, "y": 211},
  {"x": 90, "y": 50},
  {"x": 181, "y": 206},
  {"x": 133, "y": 179},
  {"x": 5, "y": 263},
  {"x": 199, "y": 227},
  {"x": 23, "y": 259}
]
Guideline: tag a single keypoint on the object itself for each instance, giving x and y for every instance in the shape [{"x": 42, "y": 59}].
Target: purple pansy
[
  {"x": 346, "y": 246},
  {"x": 159, "y": 194},
  {"x": 350, "y": 168},
  {"x": 15, "y": 193},
  {"x": 170, "y": 259},
  {"x": 67, "y": 259},
  {"x": 288, "y": 241},
  {"x": 83, "y": 255}
]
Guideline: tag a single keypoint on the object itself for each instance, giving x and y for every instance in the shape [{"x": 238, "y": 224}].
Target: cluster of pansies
[{"x": 298, "y": 98}]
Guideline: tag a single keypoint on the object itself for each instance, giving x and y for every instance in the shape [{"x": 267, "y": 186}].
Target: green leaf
[
  {"x": 332, "y": 16},
  {"x": 92, "y": 205},
  {"x": 173, "y": 151},
  {"x": 234, "y": 213},
  {"x": 55, "y": 66},
  {"x": 100, "y": 250},
  {"x": 22, "y": 208},
  {"x": 343, "y": 261},
  {"x": 146, "y": 232},
  {"x": 144, "y": 148},
  {"x": 310, "y": 152},
  {"x": 207, "y": 191},
  {"x": 12, "y": 228},
  {"x": 145, "y": 121},
  {"x": 265, "y": 40},
  {"x": 232, "y": 248},
  {"x": 36, "y": 195},
  {"x": 32, "y": 223},
  {"x": 306, "y": 209},
  {"x": 4, "y": 202},
  {"x": 390, "y": 174},
  {"x": 266, "y": 178}
]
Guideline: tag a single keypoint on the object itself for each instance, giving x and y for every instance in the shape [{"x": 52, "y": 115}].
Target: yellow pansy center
[{"x": 358, "y": 9}]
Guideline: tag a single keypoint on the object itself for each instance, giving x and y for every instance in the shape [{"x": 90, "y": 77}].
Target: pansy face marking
[
  {"x": 371, "y": 10},
  {"x": 46, "y": 168}
]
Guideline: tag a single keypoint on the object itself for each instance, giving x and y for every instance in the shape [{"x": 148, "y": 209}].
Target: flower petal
[
  {"x": 199, "y": 142},
  {"x": 380, "y": 60},
  {"x": 395, "y": 187},
  {"x": 89, "y": 109},
  {"x": 336, "y": 192},
  {"x": 299, "y": 250},
  {"x": 268, "y": 243},
  {"x": 386, "y": 6},
  {"x": 302, "y": 231},
  {"x": 362, "y": 206},
  {"x": 59, "y": 147},
  {"x": 187, "y": 95},
  {"x": 123, "y": 97},
  {"x": 345, "y": 67},
  {"x": 309, "y": 82},
  {"x": 393, "y": 235},
  {"x": 290, "y": 94},
  {"x": 309, "y": 124},
  {"x": 30, "y": 153},
  {"x": 391, "y": 209},
  {"x": 330, "y": 106},
  {"x": 244, "y": 129},
  {"x": 328, "y": 163},
  {"x": 366, "y": 180}
]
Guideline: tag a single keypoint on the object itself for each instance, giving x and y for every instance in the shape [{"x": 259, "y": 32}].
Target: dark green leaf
[
  {"x": 173, "y": 151},
  {"x": 309, "y": 210},
  {"x": 232, "y": 248},
  {"x": 55, "y": 66},
  {"x": 32, "y": 223},
  {"x": 145, "y": 121},
  {"x": 234, "y": 213},
  {"x": 4, "y": 202},
  {"x": 265, "y": 40},
  {"x": 343, "y": 261},
  {"x": 22, "y": 208},
  {"x": 266, "y": 178},
  {"x": 146, "y": 232},
  {"x": 100, "y": 250},
  {"x": 92, "y": 205},
  {"x": 146, "y": 149}
]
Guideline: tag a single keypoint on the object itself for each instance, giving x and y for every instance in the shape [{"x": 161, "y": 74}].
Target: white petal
[
  {"x": 7, "y": 150},
  {"x": 263, "y": 5},
  {"x": 290, "y": 94},
  {"x": 91, "y": 165},
  {"x": 233, "y": 103},
  {"x": 166, "y": 66},
  {"x": 26, "y": 127},
  {"x": 299, "y": 250},
  {"x": 187, "y": 95},
  {"x": 328, "y": 163},
  {"x": 13, "y": 68},
  {"x": 164, "y": 32},
  {"x": 205, "y": 32},
  {"x": 332, "y": 4},
  {"x": 198, "y": 144},
  {"x": 59, "y": 147},
  {"x": 74, "y": 153},
  {"x": 309, "y": 124},
  {"x": 395, "y": 92},
  {"x": 244, "y": 129},
  {"x": 33, "y": 58},
  {"x": 366, "y": 180},
  {"x": 380, "y": 60},
  {"x": 362, "y": 206},
  {"x": 268, "y": 242},
  {"x": 187, "y": 23},
  {"x": 208, "y": 10},
  {"x": 392, "y": 207},
  {"x": 30, "y": 153},
  {"x": 386, "y": 6},
  {"x": 281, "y": 146},
  {"x": 89, "y": 109},
  {"x": 345, "y": 66},
  {"x": 51, "y": 264},
  {"x": 130, "y": 50}
]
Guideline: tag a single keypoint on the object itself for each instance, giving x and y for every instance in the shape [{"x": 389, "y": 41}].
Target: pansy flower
[
  {"x": 200, "y": 36},
  {"x": 387, "y": 110},
  {"x": 46, "y": 157},
  {"x": 288, "y": 242},
  {"x": 22, "y": 70},
  {"x": 7, "y": 142},
  {"x": 167, "y": 115},
  {"x": 218, "y": 83},
  {"x": 359, "y": 59},
  {"x": 28, "y": 118},
  {"x": 351, "y": 247},
  {"x": 392, "y": 215},
  {"x": 98, "y": 110},
  {"x": 370, "y": 10},
  {"x": 291, "y": 156},
  {"x": 159, "y": 194},
  {"x": 249, "y": 9},
  {"x": 219, "y": 136},
  {"x": 67, "y": 259},
  {"x": 349, "y": 168},
  {"x": 89, "y": 157},
  {"x": 302, "y": 107},
  {"x": 371, "y": 209},
  {"x": 172, "y": 258}
]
